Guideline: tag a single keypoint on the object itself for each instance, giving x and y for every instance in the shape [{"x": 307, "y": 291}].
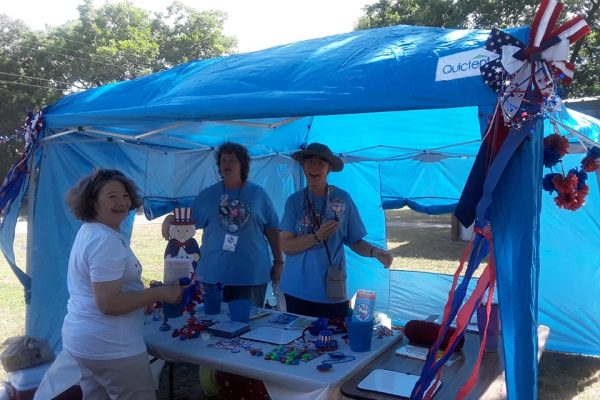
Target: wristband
[
  {"x": 316, "y": 237},
  {"x": 372, "y": 247}
]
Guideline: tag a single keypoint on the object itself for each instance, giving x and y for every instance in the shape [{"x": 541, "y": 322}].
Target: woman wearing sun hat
[{"x": 318, "y": 220}]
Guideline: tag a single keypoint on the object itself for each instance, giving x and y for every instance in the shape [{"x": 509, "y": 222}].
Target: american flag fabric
[{"x": 493, "y": 72}]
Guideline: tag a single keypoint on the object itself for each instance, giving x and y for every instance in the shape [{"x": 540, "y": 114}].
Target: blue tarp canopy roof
[
  {"x": 404, "y": 106},
  {"x": 365, "y": 71}
]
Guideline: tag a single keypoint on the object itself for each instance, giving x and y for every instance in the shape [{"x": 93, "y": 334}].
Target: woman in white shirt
[{"x": 103, "y": 328}]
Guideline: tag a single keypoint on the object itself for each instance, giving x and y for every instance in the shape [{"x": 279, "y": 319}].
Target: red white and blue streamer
[{"x": 525, "y": 79}]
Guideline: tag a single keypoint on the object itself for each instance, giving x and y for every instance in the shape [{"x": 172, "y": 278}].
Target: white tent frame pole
[
  {"x": 110, "y": 134},
  {"x": 68, "y": 132},
  {"x": 257, "y": 124},
  {"x": 154, "y": 132},
  {"x": 172, "y": 126},
  {"x": 576, "y": 134}
]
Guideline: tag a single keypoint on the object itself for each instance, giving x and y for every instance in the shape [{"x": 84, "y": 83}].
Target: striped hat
[{"x": 183, "y": 216}]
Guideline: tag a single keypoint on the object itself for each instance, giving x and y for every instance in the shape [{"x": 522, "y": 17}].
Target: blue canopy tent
[{"x": 404, "y": 107}]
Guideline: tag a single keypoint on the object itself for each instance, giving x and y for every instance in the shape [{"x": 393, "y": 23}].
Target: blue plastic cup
[
  {"x": 212, "y": 301},
  {"x": 360, "y": 335},
  {"x": 239, "y": 310}
]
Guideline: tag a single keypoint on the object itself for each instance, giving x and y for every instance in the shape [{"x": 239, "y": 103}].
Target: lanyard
[
  {"x": 318, "y": 220},
  {"x": 311, "y": 208}
]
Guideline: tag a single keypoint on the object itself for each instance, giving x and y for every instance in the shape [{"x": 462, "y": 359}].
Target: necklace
[
  {"x": 225, "y": 199},
  {"x": 311, "y": 209}
]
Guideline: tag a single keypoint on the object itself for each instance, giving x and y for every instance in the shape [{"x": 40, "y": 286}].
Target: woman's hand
[
  {"x": 166, "y": 226},
  {"x": 327, "y": 229},
  {"x": 383, "y": 256},
  {"x": 172, "y": 294}
]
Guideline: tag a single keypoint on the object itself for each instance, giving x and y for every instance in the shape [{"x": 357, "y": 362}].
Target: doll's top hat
[{"x": 183, "y": 216}]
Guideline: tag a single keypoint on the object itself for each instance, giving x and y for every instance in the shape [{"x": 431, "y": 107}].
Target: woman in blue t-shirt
[
  {"x": 316, "y": 223},
  {"x": 240, "y": 225}
]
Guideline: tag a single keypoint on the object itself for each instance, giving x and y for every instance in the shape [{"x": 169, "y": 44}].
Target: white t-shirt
[{"x": 100, "y": 254}]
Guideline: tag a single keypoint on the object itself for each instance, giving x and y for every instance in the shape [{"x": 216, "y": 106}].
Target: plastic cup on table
[
  {"x": 239, "y": 310},
  {"x": 360, "y": 335},
  {"x": 212, "y": 301}
]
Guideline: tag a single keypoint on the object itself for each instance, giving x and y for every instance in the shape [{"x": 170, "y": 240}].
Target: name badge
[{"x": 230, "y": 242}]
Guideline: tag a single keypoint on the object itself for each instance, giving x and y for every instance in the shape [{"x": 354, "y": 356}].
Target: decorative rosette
[
  {"x": 571, "y": 189},
  {"x": 555, "y": 147},
  {"x": 591, "y": 162},
  {"x": 537, "y": 66}
]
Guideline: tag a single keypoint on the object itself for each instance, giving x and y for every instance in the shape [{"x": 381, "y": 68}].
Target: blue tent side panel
[{"x": 570, "y": 270}]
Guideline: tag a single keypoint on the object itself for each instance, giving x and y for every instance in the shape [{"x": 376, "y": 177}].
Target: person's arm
[
  {"x": 111, "y": 300},
  {"x": 166, "y": 226},
  {"x": 272, "y": 235},
  {"x": 366, "y": 249},
  {"x": 293, "y": 244}
]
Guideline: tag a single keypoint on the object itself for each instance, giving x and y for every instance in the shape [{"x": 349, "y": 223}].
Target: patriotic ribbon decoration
[
  {"x": 17, "y": 174},
  {"x": 524, "y": 78},
  {"x": 479, "y": 247},
  {"x": 538, "y": 65}
]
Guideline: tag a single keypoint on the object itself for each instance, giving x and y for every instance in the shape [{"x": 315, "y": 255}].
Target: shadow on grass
[
  {"x": 557, "y": 368},
  {"x": 427, "y": 243}
]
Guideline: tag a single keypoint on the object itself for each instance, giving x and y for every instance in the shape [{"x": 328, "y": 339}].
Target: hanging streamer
[{"x": 524, "y": 78}]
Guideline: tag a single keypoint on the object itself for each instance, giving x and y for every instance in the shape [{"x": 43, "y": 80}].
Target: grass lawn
[{"x": 425, "y": 248}]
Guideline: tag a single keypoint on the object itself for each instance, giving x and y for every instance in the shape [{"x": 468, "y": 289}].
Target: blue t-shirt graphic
[
  {"x": 304, "y": 272},
  {"x": 234, "y": 249}
]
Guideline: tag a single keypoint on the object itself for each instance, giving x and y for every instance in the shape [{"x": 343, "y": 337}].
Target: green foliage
[
  {"x": 112, "y": 43},
  {"x": 485, "y": 14},
  {"x": 192, "y": 35},
  {"x": 124, "y": 42},
  {"x": 18, "y": 58},
  {"x": 440, "y": 13}
]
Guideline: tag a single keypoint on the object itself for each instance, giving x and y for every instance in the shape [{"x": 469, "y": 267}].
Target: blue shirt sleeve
[
  {"x": 355, "y": 229},
  {"x": 199, "y": 208},
  {"x": 271, "y": 218},
  {"x": 290, "y": 215}
]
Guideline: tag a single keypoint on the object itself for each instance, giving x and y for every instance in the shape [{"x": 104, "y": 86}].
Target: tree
[
  {"x": 112, "y": 43},
  {"x": 485, "y": 14},
  {"x": 24, "y": 85},
  {"x": 121, "y": 41}
]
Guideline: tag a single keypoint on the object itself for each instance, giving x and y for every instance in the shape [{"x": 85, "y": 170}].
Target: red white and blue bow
[{"x": 539, "y": 64}]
